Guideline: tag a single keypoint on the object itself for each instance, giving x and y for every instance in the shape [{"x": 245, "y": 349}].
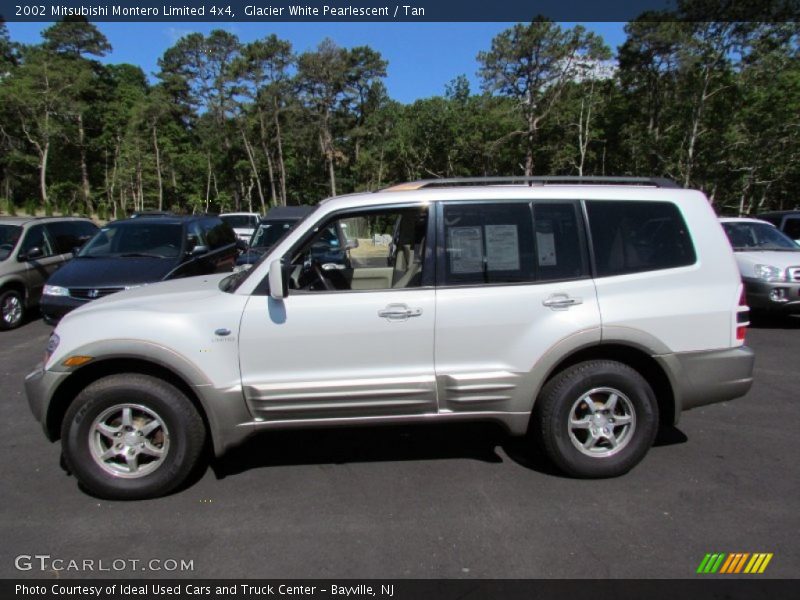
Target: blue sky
[{"x": 423, "y": 57}]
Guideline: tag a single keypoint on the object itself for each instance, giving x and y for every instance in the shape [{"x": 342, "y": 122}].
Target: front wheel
[
  {"x": 597, "y": 419},
  {"x": 132, "y": 436},
  {"x": 12, "y": 309}
]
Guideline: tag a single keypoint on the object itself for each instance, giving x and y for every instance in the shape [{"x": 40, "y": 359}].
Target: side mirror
[
  {"x": 351, "y": 244},
  {"x": 199, "y": 250},
  {"x": 277, "y": 289},
  {"x": 32, "y": 254}
]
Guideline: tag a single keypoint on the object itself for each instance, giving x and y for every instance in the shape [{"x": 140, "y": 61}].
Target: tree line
[{"x": 227, "y": 125}]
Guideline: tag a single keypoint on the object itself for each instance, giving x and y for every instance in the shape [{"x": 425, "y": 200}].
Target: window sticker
[
  {"x": 502, "y": 248},
  {"x": 465, "y": 247},
  {"x": 546, "y": 245}
]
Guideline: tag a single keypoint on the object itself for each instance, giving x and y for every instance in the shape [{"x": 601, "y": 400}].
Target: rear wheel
[
  {"x": 597, "y": 419},
  {"x": 132, "y": 436},
  {"x": 12, "y": 309}
]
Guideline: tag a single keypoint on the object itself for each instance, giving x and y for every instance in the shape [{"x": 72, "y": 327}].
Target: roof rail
[{"x": 659, "y": 182}]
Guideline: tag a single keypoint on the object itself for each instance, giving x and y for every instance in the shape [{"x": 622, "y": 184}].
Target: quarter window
[{"x": 631, "y": 237}]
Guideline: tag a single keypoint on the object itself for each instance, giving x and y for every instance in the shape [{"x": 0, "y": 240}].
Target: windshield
[
  {"x": 9, "y": 236},
  {"x": 745, "y": 236},
  {"x": 136, "y": 239},
  {"x": 270, "y": 233},
  {"x": 240, "y": 221}
]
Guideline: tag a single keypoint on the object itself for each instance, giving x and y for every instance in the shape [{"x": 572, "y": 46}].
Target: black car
[
  {"x": 271, "y": 230},
  {"x": 134, "y": 252}
]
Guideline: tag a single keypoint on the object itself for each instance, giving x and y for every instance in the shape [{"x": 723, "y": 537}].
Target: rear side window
[
  {"x": 488, "y": 243},
  {"x": 631, "y": 237},
  {"x": 68, "y": 235},
  {"x": 495, "y": 243}
]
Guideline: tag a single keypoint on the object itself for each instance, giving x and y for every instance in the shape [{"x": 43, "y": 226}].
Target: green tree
[
  {"x": 34, "y": 92},
  {"x": 533, "y": 64}
]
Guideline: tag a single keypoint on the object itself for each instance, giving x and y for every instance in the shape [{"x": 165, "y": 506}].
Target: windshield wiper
[{"x": 140, "y": 255}]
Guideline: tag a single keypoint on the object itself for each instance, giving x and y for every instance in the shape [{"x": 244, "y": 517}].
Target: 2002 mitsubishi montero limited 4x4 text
[{"x": 582, "y": 312}]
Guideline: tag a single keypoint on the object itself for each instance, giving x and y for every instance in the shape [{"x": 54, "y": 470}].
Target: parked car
[
  {"x": 244, "y": 224},
  {"x": 788, "y": 221},
  {"x": 31, "y": 249},
  {"x": 134, "y": 252},
  {"x": 769, "y": 262},
  {"x": 583, "y": 312}
]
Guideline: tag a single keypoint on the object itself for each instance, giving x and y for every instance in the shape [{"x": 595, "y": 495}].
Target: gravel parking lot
[{"x": 431, "y": 502}]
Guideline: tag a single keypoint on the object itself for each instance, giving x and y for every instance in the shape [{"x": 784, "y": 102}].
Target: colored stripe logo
[{"x": 736, "y": 562}]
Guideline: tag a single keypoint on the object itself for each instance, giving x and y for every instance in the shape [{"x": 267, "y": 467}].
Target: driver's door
[
  {"x": 39, "y": 267},
  {"x": 329, "y": 350}
]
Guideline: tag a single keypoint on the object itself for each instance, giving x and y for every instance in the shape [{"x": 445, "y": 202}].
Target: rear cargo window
[{"x": 631, "y": 237}]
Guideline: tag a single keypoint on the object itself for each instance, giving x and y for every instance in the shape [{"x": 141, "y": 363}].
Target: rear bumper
[
  {"x": 700, "y": 378},
  {"x": 759, "y": 296}
]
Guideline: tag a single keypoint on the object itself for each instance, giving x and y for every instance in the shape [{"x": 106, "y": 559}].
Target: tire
[
  {"x": 12, "y": 309},
  {"x": 132, "y": 436},
  {"x": 596, "y": 419}
]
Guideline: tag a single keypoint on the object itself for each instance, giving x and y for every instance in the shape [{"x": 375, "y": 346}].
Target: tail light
[{"x": 742, "y": 317}]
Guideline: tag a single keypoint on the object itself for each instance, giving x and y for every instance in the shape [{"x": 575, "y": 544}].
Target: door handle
[
  {"x": 561, "y": 301},
  {"x": 399, "y": 312}
]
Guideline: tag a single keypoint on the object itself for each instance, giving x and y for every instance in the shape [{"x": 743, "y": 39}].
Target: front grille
[
  {"x": 793, "y": 274},
  {"x": 93, "y": 293}
]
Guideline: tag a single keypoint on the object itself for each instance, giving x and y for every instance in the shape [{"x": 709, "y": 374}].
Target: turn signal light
[{"x": 77, "y": 361}]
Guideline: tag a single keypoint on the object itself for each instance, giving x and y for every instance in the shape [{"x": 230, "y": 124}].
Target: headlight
[
  {"x": 770, "y": 273},
  {"x": 55, "y": 290},
  {"x": 52, "y": 344}
]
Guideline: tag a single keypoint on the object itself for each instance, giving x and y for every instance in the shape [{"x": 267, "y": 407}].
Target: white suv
[{"x": 583, "y": 312}]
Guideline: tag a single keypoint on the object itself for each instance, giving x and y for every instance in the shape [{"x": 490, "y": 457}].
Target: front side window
[
  {"x": 218, "y": 233},
  {"x": 68, "y": 235},
  {"x": 632, "y": 237},
  {"x": 374, "y": 250},
  {"x": 36, "y": 238}
]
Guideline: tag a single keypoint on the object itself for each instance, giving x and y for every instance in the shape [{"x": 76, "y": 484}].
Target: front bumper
[
  {"x": 700, "y": 378},
  {"x": 40, "y": 386},
  {"x": 53, "y": 308},
  {"x": 759, "y": 295}
]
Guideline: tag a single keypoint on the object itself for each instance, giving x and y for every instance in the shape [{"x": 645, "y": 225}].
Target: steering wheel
[{"x": 321, "y": 276}]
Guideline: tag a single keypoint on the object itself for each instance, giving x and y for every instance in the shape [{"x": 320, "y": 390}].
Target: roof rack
[{"x": 659, "y": 182}]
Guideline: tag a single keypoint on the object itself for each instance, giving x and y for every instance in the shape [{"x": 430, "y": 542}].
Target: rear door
[{"x": 513, "y": 282}]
